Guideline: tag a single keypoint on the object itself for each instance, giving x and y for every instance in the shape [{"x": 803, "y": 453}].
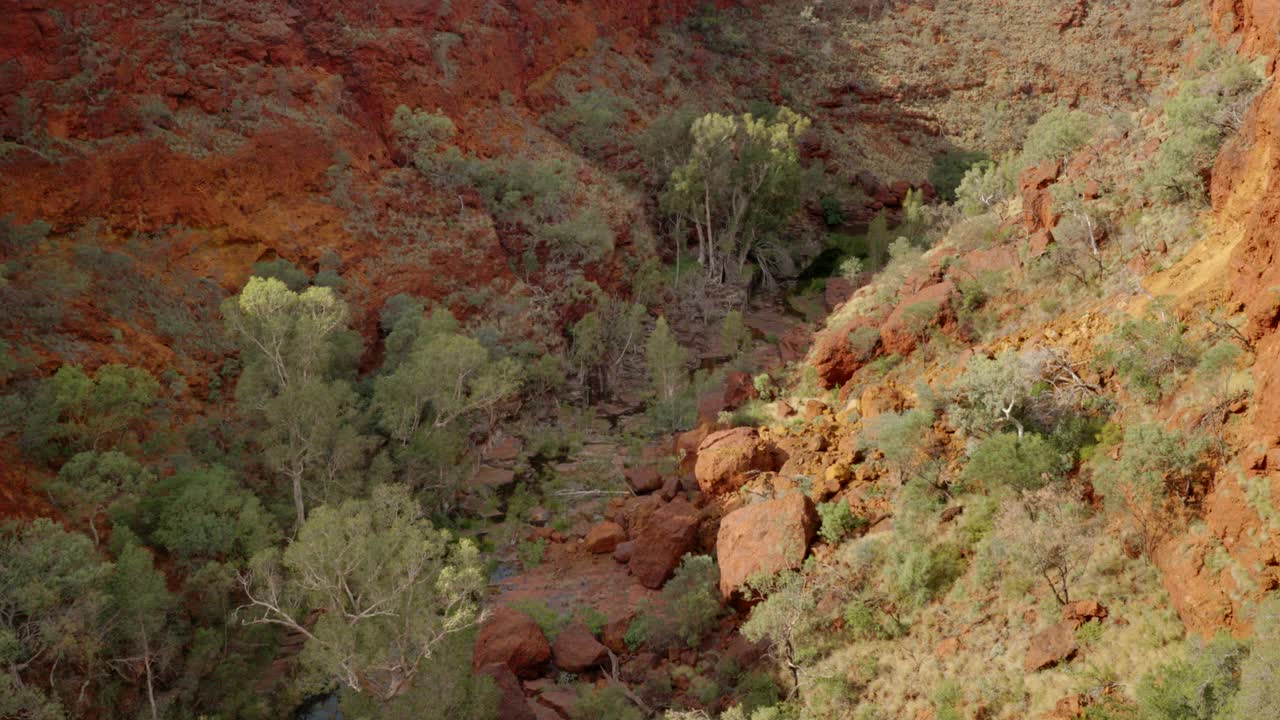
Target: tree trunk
[{"x": 299, "y": 505}]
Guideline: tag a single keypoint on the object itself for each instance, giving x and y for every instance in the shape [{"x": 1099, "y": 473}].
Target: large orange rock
[
  {"x": 726, "y": 458},
  {"x": 605, "y": 538},
  {"x": 511, "y": 638},
  {"x": 835, "y": 359},
  {"x": 899, "y": 334},
  {"x": 667, "y": 536},
  {"x": 877, "y": 400},
  {"x": 686, "y": 447},
  {"x": 577, "y": 650},
  {"x": 764, "y": 537},
  {"x": 1054, "y": 644},
  {"x": 1037, "y": 202},
  {"x": 511, "y": 700}
]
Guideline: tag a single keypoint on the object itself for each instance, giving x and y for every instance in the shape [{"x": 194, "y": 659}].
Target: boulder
[
  {"x": 795, "y": 343},
  {"x": 1037, "y": 202},
  {"x": 623, "y": 552},
  {"x": 901, "y": 330},
  {"x": 643, "y": 479},
  {"x": 1082, "y": 611},
  {"x": 605, "y": 538},
  {"x": 511, "y": 638},
  {"x": 668, "y": 535},
  {"x": 727, "y": 457},
  {"x": 739, "y": 389},
  {"x": 835, "y": 359},
  {"x": 494, "y": 478},
  {"x": 1054, "y": 644},
  {"x": 511, "y": 700},
  {"x": 877, "y": 400},
  {"x": 504, "y": 451},
  {"x": 764, "y": 537},
  {"x": 577, "y": 650},
  {"x": 686, "y": 447}
]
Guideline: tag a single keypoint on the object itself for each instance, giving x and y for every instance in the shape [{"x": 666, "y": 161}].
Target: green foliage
[
  {"x": 718, "y": 29},
  {"x": 286, "y": 272},
  {"x": 666, "y": 143},
  {"x": 1150, "y": 353},
  {"x": 417, "y": 585},
  {"x": 983, "y": 186},
  {"x": 606, "y": 703},
  {"x": 73, "y": 411},
  {"x": 287, "y": 336},
  {"x": 547, "y": 619},
  {"x": 203, "y": 513},
  {"x": 1056, "y": 135},
  {"x": 1199, "y": 687},
  {"x": 691, "y": 600},
  {"x": 520, "y": 189},
  {"x": 586, "y": 237},
  {"x": 91, "y": 484},
  {"x": 757, "y": 690},
  {"x": 921, "y": 574},
  {"x": 991, "y": 394},
  {"x": 1004, "y": 460},
  {"x": 531, "y": 552},
  {"x": 741, "y": 182},
  {"x": 665, "y": 360},
  {"x": 878, "y": 240},
  {"x": 1154, "y": 462},
  {"x": 735, "y": 336},
  {"x": 837, "y": 521},
  {"x": 422, "y": 134},
  {"x": 1259, "y": 693},
  {"x": 951, "y": 168},
  {"x": 451, "y": 690},
  {"x": 1199, "y": 118},
  {"x": 832, "y": 211},
  {"x": 786, "y": 612},
  {"x": 901, "y": 437},
  {"x": 52, "y": 596},
  {"x": 589, "y": 120}
]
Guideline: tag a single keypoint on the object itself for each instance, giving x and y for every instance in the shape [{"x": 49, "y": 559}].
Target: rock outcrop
[
  {"x": 764, "y": 537},
  {"x": 726, "y": 459},
  {"x": 512, "y": 639},
  {"x": 577, "y": 650},
  {"x": 667, "y": 536}
]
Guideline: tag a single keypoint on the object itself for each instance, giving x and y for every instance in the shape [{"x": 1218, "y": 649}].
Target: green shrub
[
  {"x": 1150, "y": 353},
  {"x": 951, "y": 168},
  {"x": 1005, "y": 461},
  {"x": 531, "y": 552},
  {"x": 922, "y": 574},
  {"x": 606, "y": 703},
  {"x": 1198, "y": 687},
  {"x": 1259, "y": 693},
  {"x": 286, "y": 272},
  {"x": 1056, "y": 135},
  {"x": 757, "y": 689},
  {"x": 589, "y": 119},
  {"x": 691, "y": 600},
  {"x": 546, "y": 618},
  {"x": 983, "y": 186},
  {"x": 203, "y": 513},
  {"x": 735, "y": 336},
  {"x": 837, "y": 521}
]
